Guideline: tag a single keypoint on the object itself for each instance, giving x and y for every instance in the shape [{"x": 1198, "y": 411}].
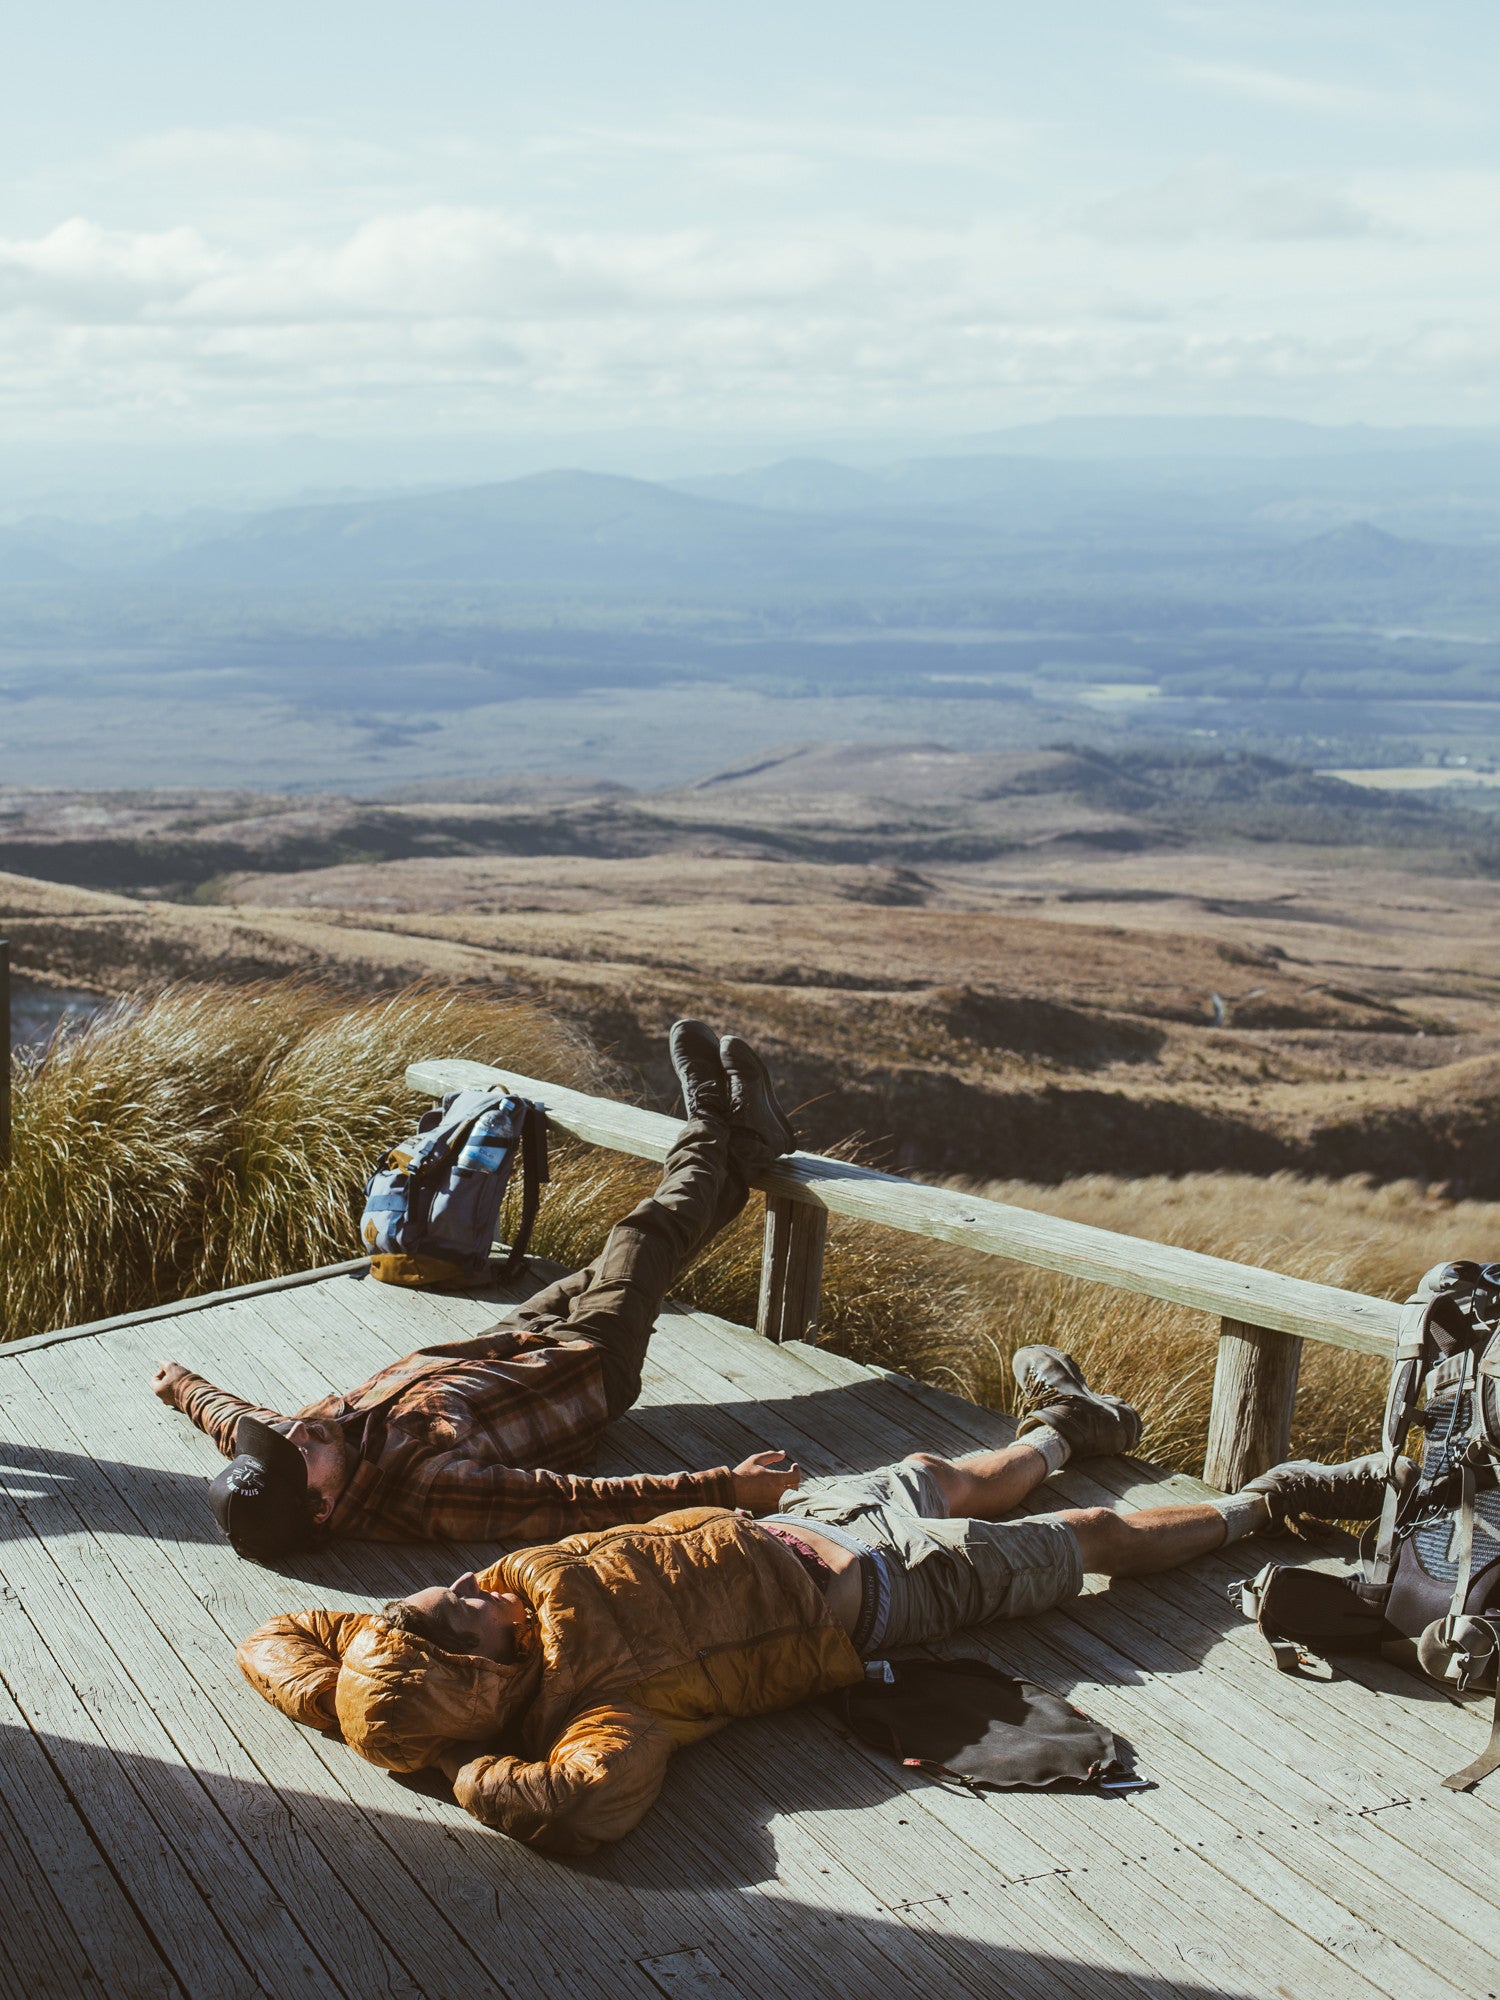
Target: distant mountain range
[
  {"x": 1340, "y": 519},
  {"x": 1217, "y": 437}
]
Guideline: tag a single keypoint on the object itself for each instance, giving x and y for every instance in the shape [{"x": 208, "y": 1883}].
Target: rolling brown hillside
[{"x": 1099, "y": 992}]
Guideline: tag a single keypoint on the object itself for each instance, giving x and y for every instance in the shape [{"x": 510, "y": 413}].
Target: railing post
[
  {"x": 791, "y": 1270},
  {"x": 1255, "y": 1390}
]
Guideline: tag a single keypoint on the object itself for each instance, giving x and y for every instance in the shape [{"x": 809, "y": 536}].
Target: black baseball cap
[{"x": 260, "y": 1498}]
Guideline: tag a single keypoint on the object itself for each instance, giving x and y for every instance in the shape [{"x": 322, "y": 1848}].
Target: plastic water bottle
[{"x": 490, "y": 1136}]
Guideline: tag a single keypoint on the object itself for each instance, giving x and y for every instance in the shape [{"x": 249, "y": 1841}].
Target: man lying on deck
[
  {"x": 552, "y": 1688},
  {"x": 478, "y": 1439}
]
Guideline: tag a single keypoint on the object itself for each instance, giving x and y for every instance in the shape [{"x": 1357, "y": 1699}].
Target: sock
[
  {"x": 1053, "y": 1447},
  {"x": 1244, "y": 1514}
]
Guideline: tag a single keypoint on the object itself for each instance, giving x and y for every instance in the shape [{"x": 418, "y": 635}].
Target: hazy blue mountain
[
  {"x": 22, "y": 561},
  {"x": 578, "y": 530},
  {"x": 1440, "y": 492},
  {"x": 132, "y": 543},
  {"x": 1016, "y": 528},
  {"x": 1211, "y": 437},
  {"x": 1361, "y": 554}
]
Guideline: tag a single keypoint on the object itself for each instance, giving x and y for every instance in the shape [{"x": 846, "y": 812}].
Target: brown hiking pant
[{"x": 704, "y": 1184}]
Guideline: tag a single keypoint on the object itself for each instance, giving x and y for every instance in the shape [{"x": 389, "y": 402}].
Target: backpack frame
[{"x": 1428, "y": 1590}]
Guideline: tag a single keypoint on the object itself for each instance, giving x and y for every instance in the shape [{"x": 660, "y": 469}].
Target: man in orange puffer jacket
[{"x": 552, "y": 1688}]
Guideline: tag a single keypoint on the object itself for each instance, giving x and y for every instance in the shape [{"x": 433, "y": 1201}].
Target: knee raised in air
[{"x": 950, "y": 1480}]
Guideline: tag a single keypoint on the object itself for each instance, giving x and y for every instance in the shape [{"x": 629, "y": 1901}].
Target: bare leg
[
  {"x": 1156, "y": 1538},
  {"x": 983, "y": 1485}
]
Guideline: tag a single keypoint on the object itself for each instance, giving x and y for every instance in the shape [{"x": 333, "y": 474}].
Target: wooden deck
[{"x": 163, "y": 1831}]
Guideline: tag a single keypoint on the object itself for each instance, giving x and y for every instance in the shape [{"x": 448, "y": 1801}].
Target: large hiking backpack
[
  {"x": 432, "y": 1204},
  {"x": 1428, "y": 1591}
]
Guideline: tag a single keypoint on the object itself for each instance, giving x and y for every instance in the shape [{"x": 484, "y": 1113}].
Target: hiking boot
[
  {"x": 1092, "y": 1425},
  {"x": 1302, "y": 1489},
  {"x": 694, "y": 1048},
  {"x": 752, "y": 1100}
]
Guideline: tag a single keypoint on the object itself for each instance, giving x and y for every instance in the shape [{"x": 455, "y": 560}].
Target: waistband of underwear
[
  {"x": 811, "y": 1561},
  {"x": 874, "y": 1575}
]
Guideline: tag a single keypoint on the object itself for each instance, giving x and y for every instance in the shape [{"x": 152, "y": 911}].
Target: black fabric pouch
[
  {"x": 964, "y": 1719},
  {"x": 1305, "y": 1611}
]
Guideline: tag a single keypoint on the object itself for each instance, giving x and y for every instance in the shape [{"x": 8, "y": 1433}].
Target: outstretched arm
[
  {"x": 477, "y": 1500},
  {"x": 212, "y": 1410},
  {"x": 598, "y": 1780}
]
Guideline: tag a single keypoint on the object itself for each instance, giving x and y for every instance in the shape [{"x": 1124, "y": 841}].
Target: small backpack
[
  {"x": 432, "y": 1204},
  {"x": 1428, "y": 1591}
]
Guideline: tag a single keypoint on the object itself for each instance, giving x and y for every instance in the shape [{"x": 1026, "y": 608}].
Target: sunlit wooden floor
[{"x": 163, "y": 1831}]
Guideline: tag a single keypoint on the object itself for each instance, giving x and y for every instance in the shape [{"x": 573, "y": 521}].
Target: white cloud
[
  {"x": 1214, "y": 198},
  {"x": 80, "y": 270},
  {"x": 253, "y": 151},
  {"x": 1289, "y": 90},
  {"x": 736, "y": 144},
  {"x": 1213, "y": 282}
]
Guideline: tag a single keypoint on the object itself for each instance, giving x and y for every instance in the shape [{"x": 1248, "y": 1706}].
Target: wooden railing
[{"x": 1263, "y": 1317}]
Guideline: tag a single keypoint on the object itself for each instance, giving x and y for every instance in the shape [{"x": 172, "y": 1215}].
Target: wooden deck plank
[
  {"x": 1353, "y": 1768},
  {"x": 1460, "y": 1873},
  {"x": 200, "y": 1856},
  {"x": 67, "y": 1925},
  {"x": 782, "y": 1859},
  {"x": 244, "y": 1595},
  {"x": 317, "y": 1862},
  {"x": 670, "y": 1357}
]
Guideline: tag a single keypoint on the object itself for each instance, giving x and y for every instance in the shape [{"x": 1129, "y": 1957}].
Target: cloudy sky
[{"x": 468, "y": 217}]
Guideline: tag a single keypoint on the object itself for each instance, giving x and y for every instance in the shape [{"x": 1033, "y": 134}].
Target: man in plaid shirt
[{"x": 480, "y": 1440}]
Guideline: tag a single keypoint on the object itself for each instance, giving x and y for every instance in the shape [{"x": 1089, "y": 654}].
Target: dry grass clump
[
  {"x": 1376, "y": 1239},
  {"x": 210, "y": 1136}
]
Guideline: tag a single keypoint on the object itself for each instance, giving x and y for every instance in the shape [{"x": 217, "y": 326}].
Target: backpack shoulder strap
[
  {"x": 1488, "y": 1759},
  {"x": 535, "y": 1172},
  {"x": 1413, "y": 1358}
]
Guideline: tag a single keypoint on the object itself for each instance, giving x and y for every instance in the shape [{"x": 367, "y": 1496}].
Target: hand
[
  {"x": 452, "y": 1760},
  {"x": 760, "y": 1481},
  {"x": 164, "y": 1381}
]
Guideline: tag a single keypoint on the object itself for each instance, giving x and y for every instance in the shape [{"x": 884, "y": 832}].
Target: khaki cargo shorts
[{"x": 940, "y": 1574}]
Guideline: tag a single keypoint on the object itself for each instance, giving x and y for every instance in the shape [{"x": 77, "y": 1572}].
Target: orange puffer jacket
[{"x": 646, "y": 1638}]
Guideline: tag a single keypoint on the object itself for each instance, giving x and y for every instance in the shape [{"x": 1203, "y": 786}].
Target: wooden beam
[
  {"x": 1255, "y": 1389},
  {"x": 1131, "y": 1263},
  {"x": 791, "y": 1271}
]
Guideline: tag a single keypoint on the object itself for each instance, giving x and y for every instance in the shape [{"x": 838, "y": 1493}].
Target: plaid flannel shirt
[{"x": 474, "y": 1440}]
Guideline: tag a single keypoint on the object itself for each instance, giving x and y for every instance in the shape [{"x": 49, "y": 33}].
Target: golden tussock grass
[
  {"x": 210, "y": 1136},
  {"x": 1364, "y": 1237}
]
